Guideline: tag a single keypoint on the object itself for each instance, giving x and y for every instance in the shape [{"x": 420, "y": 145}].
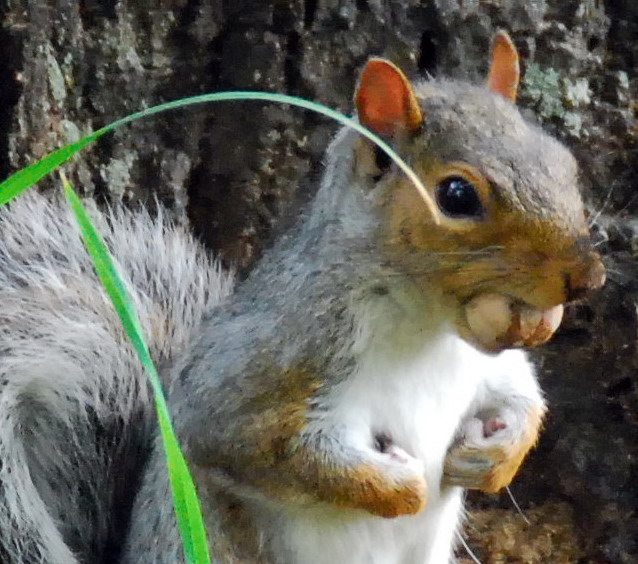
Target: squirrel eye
[
  {"x": 457, "y": 197},
  {"x": 383, "y": 162}
]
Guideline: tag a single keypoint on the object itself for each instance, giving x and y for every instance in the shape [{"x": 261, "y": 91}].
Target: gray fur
[{"x": 294, "y": 305}]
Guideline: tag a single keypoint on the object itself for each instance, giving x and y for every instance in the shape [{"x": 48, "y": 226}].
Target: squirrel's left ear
[
  {"x": 385, "y": 101},
  {"x": 504, "y": 69}
]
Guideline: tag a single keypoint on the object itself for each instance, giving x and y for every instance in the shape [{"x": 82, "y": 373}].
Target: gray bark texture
[{"x": 240, "y": 172}]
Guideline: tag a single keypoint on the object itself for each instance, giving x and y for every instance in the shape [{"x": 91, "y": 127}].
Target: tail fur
[{"x": 76, "y": 416}]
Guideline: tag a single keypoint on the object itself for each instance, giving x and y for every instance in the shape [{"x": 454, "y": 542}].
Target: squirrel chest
[{"x": 406, "y": 401}]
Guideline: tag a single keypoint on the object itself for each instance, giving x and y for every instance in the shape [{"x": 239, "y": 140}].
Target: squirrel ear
[
  {"x": 504, "y": 69},
  {"x": 385, "y": 100}
]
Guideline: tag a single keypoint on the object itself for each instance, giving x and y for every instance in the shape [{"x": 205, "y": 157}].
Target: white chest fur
[
  {"x": 414, "y": 383},
  {"x": 416, "y": 397}
]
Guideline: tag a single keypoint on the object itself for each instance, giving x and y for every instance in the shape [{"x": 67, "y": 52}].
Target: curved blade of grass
[
  {"x": 187, "y": 508},
  {"x": 24, "y": 178}
]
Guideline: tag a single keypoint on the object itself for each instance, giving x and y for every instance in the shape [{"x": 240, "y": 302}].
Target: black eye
[
  {"x": 458, "y": 197},
  {"x": 383, "y": 162}
]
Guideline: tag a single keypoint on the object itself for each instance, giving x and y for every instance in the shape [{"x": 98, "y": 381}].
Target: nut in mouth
[{"x": 494, "y": 322}]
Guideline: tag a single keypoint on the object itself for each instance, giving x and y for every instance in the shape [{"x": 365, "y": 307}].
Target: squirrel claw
[{"x": 399, "y": 489}]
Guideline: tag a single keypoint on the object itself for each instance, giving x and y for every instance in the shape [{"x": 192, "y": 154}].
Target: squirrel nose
[{"x": 580, "y": 284}]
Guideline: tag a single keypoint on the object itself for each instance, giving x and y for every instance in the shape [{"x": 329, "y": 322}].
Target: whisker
[
  {"x": 468, "y": 549},
  {"x": 516, "y": 505},
  {"x": 486, "y": 251},
  {"x": 602, "y": 208},
  {"x": 614, "y": 271},
  {"x": 631, "y": 201}
]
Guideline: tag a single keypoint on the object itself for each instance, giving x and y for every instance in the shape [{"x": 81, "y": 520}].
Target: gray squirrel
[{"x": 333, "y": 405}]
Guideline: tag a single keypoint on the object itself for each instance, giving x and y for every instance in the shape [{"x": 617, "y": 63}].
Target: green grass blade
[
  {"x": 21, "y": 180},
  {"x": 187, "y": 508}
]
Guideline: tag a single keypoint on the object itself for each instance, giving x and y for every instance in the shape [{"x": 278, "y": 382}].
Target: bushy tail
[{"x": 75, "y": 411}]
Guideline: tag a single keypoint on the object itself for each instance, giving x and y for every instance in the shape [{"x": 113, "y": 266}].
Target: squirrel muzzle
[
  {"x": 583, "y": 282},
  {"x": 494, "y": 322}
]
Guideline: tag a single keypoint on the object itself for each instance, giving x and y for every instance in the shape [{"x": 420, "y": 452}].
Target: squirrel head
[{"x": 511, "y": 244}]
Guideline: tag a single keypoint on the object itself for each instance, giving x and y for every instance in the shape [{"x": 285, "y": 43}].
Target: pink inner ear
[
  {"x": 504, "y": 68},
  {"x": 385, "y": 100}
]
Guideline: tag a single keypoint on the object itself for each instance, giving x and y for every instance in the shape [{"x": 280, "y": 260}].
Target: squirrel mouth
[{"x": 494, "y": 322}]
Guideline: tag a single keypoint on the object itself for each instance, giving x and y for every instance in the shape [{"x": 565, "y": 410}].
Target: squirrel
[{"x": 333, "y": 405}]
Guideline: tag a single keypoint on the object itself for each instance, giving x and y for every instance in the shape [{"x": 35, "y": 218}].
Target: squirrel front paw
[
  {"x": 390, "y": 484},
  {"x": 491, "y": 447}
]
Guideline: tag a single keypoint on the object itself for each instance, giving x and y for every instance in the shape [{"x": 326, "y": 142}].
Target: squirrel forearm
[
  {"x": 270, "y": 439},
  {"x": 342, "y": 477},
  {"x": 269, "y": 446}
]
